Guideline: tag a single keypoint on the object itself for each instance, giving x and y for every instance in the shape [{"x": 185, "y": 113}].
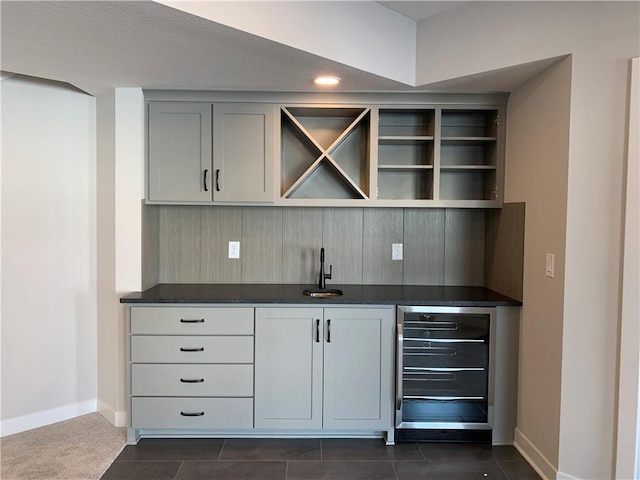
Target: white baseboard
[
  {"x": 565, "y": 476},
  {"x": 536, "y": 459},
  {"x": 117, "y": 419},
  {"x": 41, "y": 419}
]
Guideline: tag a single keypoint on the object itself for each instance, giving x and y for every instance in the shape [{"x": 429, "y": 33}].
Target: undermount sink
[{"x": 322, "y": 292}]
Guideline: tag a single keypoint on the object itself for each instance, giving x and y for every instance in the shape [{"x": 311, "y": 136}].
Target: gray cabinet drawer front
[
  {"x": 192, "y": 320},
  {"x": 191, "y": 349},
  {"x": 192, "y": 413},
  {"x": 192, "y": 380}
]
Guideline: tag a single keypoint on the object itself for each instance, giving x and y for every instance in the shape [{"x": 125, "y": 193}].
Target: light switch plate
[
  {"x": 549, "y": 267},
  {"x": 234, "y": 249}
]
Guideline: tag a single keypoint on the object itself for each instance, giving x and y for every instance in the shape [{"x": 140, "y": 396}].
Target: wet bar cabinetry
[
  {"x": 256, "y": 360},
  {"x": 324, "y": 369},
  {"x": 199, "y": 152},
  {"x": 376, "y": 150},
  {"x": 190, "y": 369}
]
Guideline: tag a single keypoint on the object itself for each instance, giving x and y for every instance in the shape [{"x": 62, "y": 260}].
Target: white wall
[
  {"x": 120, "y": 126},
  {"x": 601, "y": 37},
  {"x": 538, "y": 154},
  {"x": 364, "y": 35},
  {"x": 628, "y": 457},
  {"x": 48, "y": 253}
]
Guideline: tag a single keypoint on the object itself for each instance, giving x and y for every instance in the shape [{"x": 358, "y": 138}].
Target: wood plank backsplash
[{"x": 282, "y": 245}]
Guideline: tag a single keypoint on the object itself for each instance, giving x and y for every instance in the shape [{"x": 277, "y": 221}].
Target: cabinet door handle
[
  {"x": 199, "y": 349},
  {"x": 206, "y": 189},
  {"x": 192, "y": 414},
  {"x": 192, "y": 380},
  {"x": 317, "y": 330},
  {"x": 218, "y": 180},
  {"x": 328, "y": 331},
  {"x": 195, "y": 320}
]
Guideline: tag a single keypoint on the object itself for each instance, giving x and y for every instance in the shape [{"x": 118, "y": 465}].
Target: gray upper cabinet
[
  {"x": 200, "y": 152},
  {"x": 243, "y": 143},
  {"x": 179, "y": 152},
  {"x": 376, "y": 150}
]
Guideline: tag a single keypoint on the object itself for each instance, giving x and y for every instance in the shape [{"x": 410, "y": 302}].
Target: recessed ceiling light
[{"x": 326, "y": 81}]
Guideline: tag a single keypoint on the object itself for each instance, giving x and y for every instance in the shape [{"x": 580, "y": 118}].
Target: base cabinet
[
  {"x": 324, "y": 368},
  {"x": 190, "y": 369}
]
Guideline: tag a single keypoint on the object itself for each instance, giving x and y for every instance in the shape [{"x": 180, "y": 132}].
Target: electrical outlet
[
  {"x": 234, "y": 249},
  {"x": 396, "y": 251}
]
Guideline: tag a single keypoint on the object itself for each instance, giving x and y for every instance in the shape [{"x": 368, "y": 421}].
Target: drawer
[
  {"x": 188, "y": 413},
  {"x": 192, "y": 320},
  {"x": 447, "y": 383},
  {"x": 435, "y": 354},
  {"x": 192, "y": 380},
  {"x": 446, "y": 326},
  {"x": 191, "y": 349}
]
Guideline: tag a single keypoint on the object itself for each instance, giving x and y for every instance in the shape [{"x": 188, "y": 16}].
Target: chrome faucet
[{"x": 323, "y": 276}]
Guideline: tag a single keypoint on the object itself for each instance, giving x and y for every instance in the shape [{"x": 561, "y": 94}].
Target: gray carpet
[{"x": 78, "y": 449}]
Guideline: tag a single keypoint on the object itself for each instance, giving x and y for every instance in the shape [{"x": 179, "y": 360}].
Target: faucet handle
[{"x": 328, "y": 275}]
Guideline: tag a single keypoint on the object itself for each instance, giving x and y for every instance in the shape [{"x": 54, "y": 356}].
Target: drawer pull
[
  {"x": 441, "y": 325},
  {"x": 429, "y": 350},
  {"x": 192, "y": 414},
  {"x": 199, "y": 349},
  {"x": 192, "y": 380},
  {"x": 197, "y": 320}
]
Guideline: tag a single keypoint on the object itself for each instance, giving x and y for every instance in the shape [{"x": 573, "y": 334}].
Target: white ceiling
[{"x": 99, "y": 45}]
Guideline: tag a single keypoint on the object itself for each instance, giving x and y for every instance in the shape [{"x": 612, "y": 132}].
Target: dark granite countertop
[{"x": 292, "y": 294}]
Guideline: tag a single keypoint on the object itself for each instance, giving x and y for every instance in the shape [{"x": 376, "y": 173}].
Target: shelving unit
[
  {"x": 406, "y": 153},
  {"x": 325, "y": 153},
  {"x": 469, "y": 154}
]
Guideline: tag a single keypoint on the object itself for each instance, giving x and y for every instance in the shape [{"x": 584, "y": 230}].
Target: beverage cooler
[{"x": 444, "y": 376}]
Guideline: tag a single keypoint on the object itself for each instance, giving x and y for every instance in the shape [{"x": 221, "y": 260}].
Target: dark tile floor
[{"x": 315, "y": 459}]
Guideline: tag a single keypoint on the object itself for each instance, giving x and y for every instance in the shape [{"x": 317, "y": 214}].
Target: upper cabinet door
[
  {"x": 243, "y": 152},
  {"x": 179, "y": 152}
]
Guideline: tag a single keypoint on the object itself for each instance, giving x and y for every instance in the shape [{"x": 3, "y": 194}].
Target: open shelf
[
  {"x": 468, "y": 154},
  {"x": 400, "y": 123},
  {"x": 472, "y": 152},
  {"x": 469, "y": 124},
  {"x": 406, "y": 153},
  {"x": 325, "y": 152},
  {"x": 405, "y": 183},
  {"x": 466, "y": 184}
]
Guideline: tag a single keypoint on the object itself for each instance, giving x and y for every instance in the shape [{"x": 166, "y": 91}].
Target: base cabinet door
[
  {"x": 358, "y": 368},
  {"x": 288, "y": 368},
  {"x": 324, "y": 368}
]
